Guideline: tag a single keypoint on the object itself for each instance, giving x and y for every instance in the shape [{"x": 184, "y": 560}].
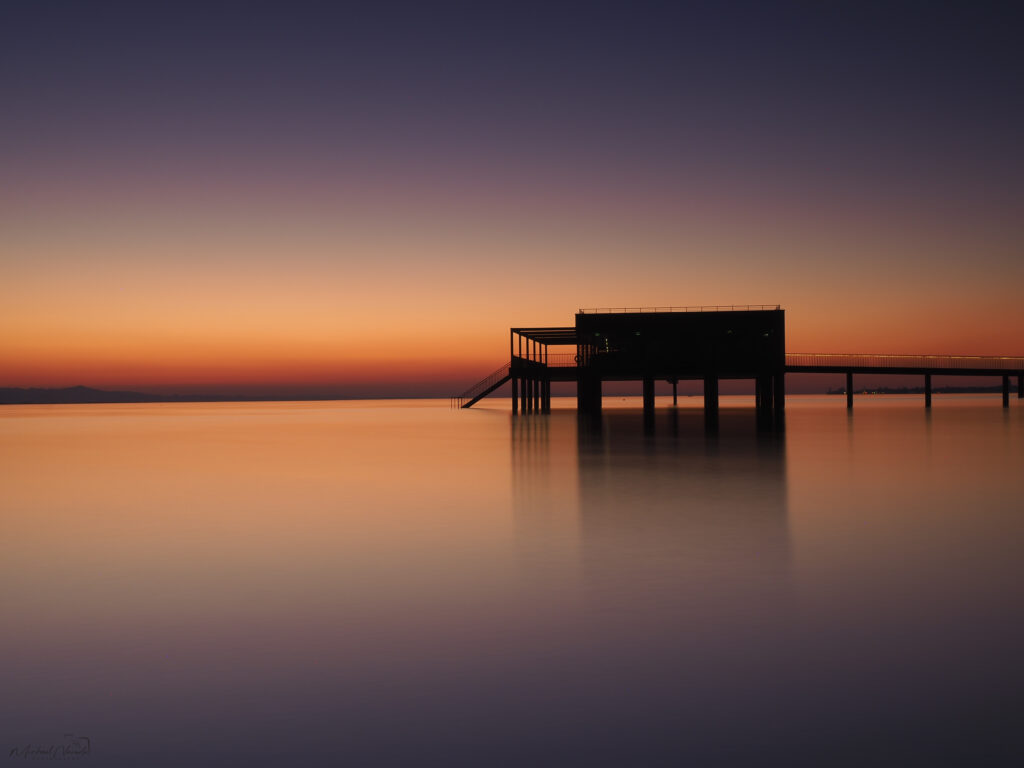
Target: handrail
[
  {"x": 950, "y": 362},
  {"x": 487, "y": 381},
  {"x": 552, "y": 360},
  {"x": 700, "y": 308}
]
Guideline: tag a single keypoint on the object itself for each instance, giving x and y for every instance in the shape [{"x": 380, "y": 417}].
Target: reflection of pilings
[
  {"x": 654, "y": 514},
  {"x": 927, "y": 390},
  {"x": 528, "y": 437}
]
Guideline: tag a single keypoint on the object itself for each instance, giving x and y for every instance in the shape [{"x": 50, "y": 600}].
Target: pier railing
[
  {"x": 553, "y": 360},
  {"x": 938, "y": 362}
]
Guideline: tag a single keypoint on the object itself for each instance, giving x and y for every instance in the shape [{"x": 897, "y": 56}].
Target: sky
[{"x": 360, "y": 199}]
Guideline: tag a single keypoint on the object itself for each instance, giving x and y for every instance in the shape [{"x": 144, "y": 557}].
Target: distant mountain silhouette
[{"x": 80, "y": 394}]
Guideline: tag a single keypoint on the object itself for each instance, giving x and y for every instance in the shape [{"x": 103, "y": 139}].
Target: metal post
[
  {"x": 927, "y": 390},
  {"x": 849, "y": 389}
]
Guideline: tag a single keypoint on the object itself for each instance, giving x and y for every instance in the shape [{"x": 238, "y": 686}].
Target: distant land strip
[{"x": 70, "y": 395}]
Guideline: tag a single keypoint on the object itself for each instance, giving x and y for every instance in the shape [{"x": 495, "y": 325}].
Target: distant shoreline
[{"x": 87, "y": 395}]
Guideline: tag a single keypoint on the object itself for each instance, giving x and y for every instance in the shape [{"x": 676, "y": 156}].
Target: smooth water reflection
[{"x": 396, "y": 583}]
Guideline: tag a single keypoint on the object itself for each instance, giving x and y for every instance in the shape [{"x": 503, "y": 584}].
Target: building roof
[{"x": 550, "y": 335}]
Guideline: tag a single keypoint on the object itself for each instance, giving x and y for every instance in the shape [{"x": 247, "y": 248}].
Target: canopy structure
[{"x": 552, "y": 336}]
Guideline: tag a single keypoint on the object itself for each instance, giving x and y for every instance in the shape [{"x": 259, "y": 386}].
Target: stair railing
[{"x": 485, "y": 383}]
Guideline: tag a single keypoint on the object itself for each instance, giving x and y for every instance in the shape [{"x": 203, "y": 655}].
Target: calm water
[{"x": 395, "y": 583}]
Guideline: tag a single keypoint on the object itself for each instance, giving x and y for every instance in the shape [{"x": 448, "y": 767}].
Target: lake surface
[{"x": 396, "y": 583}]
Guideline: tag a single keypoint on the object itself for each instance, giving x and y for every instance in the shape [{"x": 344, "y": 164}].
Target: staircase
[{"x": 482, "y": 388}]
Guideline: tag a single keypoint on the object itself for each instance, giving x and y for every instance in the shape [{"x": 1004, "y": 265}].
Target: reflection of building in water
[
  {"x": 545, "y": 495},
  {"x": 674, "y": 517},
  {"x": 667, "y": 516}
]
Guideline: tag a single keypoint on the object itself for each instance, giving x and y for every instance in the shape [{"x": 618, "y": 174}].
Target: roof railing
[{"x": 699, "y": 308}]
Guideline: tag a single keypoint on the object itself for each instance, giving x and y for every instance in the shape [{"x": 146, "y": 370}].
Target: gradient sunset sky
[{"x": 330, "y": 198}]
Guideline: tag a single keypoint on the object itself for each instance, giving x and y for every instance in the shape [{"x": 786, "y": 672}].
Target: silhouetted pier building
[{"x": 706, "y": 344}]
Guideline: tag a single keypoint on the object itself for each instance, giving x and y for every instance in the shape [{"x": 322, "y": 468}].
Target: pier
[{"x": 705, "y": 343}]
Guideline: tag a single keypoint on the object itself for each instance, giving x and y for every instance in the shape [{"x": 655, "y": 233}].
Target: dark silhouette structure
[
  {"x": 727, "y": 343},
  {"x": 695, "y": 343}
]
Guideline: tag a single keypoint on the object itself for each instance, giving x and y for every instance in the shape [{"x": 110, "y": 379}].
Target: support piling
[
  {"x": 648, "y": 395},
  {"x": 711, "y": 403},
  {"x": 779, "y": 400}
]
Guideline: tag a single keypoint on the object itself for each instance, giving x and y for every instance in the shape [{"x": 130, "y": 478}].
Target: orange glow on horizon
[{"x": 415, "y": 303}]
